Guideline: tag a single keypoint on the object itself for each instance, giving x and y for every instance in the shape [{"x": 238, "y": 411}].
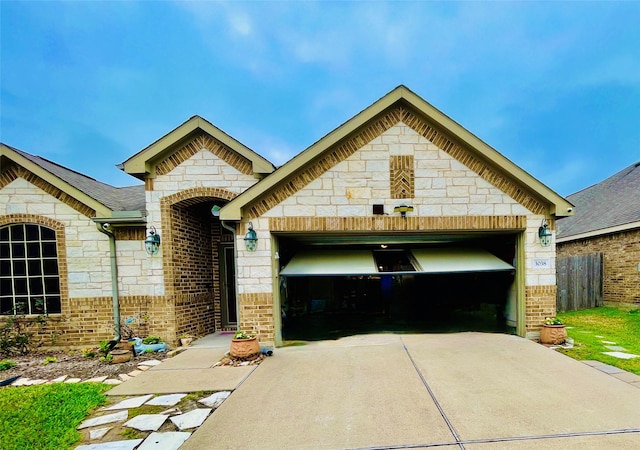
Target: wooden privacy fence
[{"x": 579, "y": 282}]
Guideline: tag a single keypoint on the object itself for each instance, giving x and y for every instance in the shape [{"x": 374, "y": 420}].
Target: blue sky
[{"x": 553, "y": 86}]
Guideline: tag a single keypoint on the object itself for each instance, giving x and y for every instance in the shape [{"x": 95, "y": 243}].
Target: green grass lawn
[
  {"x": 46, "y": 416},
  {"x": 589, "y": 328}
]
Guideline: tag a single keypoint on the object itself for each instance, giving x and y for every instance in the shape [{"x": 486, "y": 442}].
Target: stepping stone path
[
  {"x": 617, "y": 351},
  {"x": 142, "y": 367},
  {"x": 165, "y": 440},
  {"x": 192, "y": 419},
  {"x": 146, "y": 422}
]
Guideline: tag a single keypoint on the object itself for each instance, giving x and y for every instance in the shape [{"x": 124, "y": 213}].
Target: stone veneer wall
[
  {"x": 621, "y": 253},
  {"x": 198, "y": 174},
  {"x": 452, "y": 191},
  {"x": 84, "y": 263}
]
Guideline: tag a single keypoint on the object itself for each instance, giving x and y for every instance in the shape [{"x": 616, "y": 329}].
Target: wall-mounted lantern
[
  {"x": 152, "y": 242},
  {"x": 251, "y": 239},
  {"x": 544, "y": 233},
  {"x": 403, "y": 210}
]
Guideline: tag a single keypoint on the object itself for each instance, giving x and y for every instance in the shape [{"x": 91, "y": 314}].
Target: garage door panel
[
  {"x": 331, "y": 262},
  {"x": 456, "y": 260}
]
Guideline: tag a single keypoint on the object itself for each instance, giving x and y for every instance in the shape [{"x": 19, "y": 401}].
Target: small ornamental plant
[
  {"x": 552, "y": 321},
  {"x": 243, "y": 335},
  {"x": 89, "y": 352}
]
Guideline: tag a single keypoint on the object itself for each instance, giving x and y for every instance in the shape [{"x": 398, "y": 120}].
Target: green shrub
[
  {"x": 6, "y": 364},
  {"x": 151, "y": 340},
  {"x": 49, "y": 360}
]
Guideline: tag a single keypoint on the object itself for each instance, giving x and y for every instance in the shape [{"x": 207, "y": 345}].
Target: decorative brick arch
[
  {"x": 187, "y": 198},
  {"x": 196, "y": 195},
  {"x": 61, "y": 247}
]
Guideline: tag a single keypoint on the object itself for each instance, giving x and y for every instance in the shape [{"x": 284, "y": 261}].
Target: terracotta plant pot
[
  {"x": 120, "y": 356},
  {"x": 125, "y": 345},
  {"x": 553, "y": 334},
  {"x": 244, "y": 348}
]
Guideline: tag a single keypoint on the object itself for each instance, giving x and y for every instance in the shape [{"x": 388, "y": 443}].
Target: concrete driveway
[{"x": 467, "y": 390}]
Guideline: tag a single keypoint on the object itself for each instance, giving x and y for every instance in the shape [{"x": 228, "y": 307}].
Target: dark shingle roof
[
  {"x": 129, "y": 198},
  {"x": 610, "y": 203}
]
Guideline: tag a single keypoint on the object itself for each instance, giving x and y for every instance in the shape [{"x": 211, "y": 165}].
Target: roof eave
[
  {"x": 143, "y": 163},
  {"x": 558, "y": 206},
  {"x": 99, "y": 208}
]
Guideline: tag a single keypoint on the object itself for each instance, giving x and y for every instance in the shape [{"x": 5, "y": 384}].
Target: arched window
[{"x": 29, "y": 279}]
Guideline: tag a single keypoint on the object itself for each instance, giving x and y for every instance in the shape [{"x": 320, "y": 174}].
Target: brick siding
[{"x": 621, "y": 284}]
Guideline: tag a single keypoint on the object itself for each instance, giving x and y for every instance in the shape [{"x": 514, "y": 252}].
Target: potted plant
[
  {"x": 149, "y": 344},
  {"x": 186, "y": 339},
  {"x": 553, "y": 331},
  {"x": 127, "y": 335},
  {"x": 244, "y": 345}
]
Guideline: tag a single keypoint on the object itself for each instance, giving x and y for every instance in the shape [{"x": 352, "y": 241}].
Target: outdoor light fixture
[
  {"x": 152, "y": 242},
  {"x": 251, "y": 239},
  {"x": 215, "y": 211},
  {"x": 544, "y": 233},
  {"x": 403, "y": 210}
]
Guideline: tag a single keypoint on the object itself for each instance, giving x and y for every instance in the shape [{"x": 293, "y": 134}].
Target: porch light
[
  {"x": 544, "y": 233},
  {"x": 403, "y": 210},
  {"x": 152, "y": 242},
  {"x": 251, "y": 239},
  {"x": 215, "y": 211}
]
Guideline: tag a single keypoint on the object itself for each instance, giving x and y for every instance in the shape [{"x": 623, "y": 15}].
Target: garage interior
[{"x": 336, "y": 286}]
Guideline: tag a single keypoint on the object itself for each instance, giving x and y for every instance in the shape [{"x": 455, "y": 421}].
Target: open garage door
[
  {"x": 394, "y": 262},
  {"x": 332, "y": 292}
]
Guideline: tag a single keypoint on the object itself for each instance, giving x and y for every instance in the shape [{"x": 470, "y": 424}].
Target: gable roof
[
  {"x": 103, "y": 198},
  {"x": 404, "y": 98},
  {"x": 145, "y": 161},
  {"x": 609, "y": 206}
]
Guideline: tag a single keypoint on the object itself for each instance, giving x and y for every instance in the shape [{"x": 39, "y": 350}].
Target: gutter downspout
[
  {"x": 105, "y": 228},
  {"x": 235, "y": 263}
]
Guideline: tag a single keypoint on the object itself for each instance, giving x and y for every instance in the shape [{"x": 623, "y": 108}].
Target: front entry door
[{"x": 228, "y": 277}]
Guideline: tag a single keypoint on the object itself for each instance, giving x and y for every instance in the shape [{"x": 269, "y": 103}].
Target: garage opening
[{"x": 330, "y": 291}]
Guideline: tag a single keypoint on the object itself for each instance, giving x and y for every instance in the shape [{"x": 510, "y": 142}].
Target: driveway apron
[{"x": 456, "y": 391}]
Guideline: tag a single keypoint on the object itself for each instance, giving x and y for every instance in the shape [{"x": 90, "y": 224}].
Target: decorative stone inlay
[{"x": 402, "y": 176}]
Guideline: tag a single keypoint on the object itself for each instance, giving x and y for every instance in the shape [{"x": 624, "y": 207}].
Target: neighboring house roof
[
  {"x": 145, "y": 161},
  {"x": 399, "y": 97},
  {"x": 103, "y": 198},
  {"x": 609, "y": 206}
]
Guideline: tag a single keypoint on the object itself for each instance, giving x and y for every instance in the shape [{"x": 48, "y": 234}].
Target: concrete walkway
[
  {"x": 467, "y": 390},
  {"x": 190, "y": 371}
]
